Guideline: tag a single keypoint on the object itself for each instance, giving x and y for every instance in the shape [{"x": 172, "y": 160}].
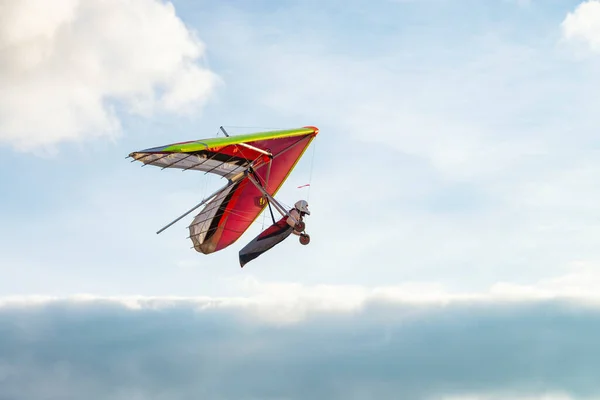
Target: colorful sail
[{"x": 268, "y": 156}]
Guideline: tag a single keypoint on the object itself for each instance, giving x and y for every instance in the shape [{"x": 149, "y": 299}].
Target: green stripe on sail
[{"x": 205, "y": 144}]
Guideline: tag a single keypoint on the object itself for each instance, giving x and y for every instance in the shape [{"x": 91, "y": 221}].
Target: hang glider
[{"x": 255, "y": 165}]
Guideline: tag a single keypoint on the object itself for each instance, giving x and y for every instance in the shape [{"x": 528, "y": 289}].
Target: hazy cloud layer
[
  {"x": 476, "y": 350},
  {"x": 65, "y": 66}
]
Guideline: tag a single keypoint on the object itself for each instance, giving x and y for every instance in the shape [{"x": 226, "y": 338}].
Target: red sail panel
[{"x": 224, "y": 219}]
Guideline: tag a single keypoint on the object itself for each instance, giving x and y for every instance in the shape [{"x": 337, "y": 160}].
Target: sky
[{"x": 453, "y": 196}]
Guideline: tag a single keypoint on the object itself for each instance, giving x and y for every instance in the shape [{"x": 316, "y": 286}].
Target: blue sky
[
  {"x": 457, "y": 144},
  {"x": 457, "y": 156}
]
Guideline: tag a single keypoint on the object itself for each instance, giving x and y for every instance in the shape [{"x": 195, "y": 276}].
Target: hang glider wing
[{"x": 271, "y": 155}]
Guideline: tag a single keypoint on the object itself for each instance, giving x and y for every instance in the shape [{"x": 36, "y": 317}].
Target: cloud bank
[
  {"x": 167, "y": 350},
  {"x": 67, "y": 67},
  {"x": 288, "y": 303}
]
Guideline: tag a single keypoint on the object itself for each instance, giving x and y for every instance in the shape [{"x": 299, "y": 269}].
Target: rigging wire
[{"x": 312, "y": 163}]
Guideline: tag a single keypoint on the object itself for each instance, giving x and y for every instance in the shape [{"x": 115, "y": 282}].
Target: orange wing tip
[{"x": 314, "y": 128}]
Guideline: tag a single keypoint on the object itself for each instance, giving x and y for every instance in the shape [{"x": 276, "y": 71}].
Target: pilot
[{"x": 298, "y": 212}]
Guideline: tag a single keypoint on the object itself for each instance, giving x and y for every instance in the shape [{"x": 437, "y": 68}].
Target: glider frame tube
[
  {"x": 271, "y": 199},
  {"x": 248, "y": 146},
  {"x": 206, "y": 199}
]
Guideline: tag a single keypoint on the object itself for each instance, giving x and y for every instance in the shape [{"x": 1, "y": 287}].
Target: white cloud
[
  {"x": 583, "y": 24},
  {"x": 66, "y": 64}
]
